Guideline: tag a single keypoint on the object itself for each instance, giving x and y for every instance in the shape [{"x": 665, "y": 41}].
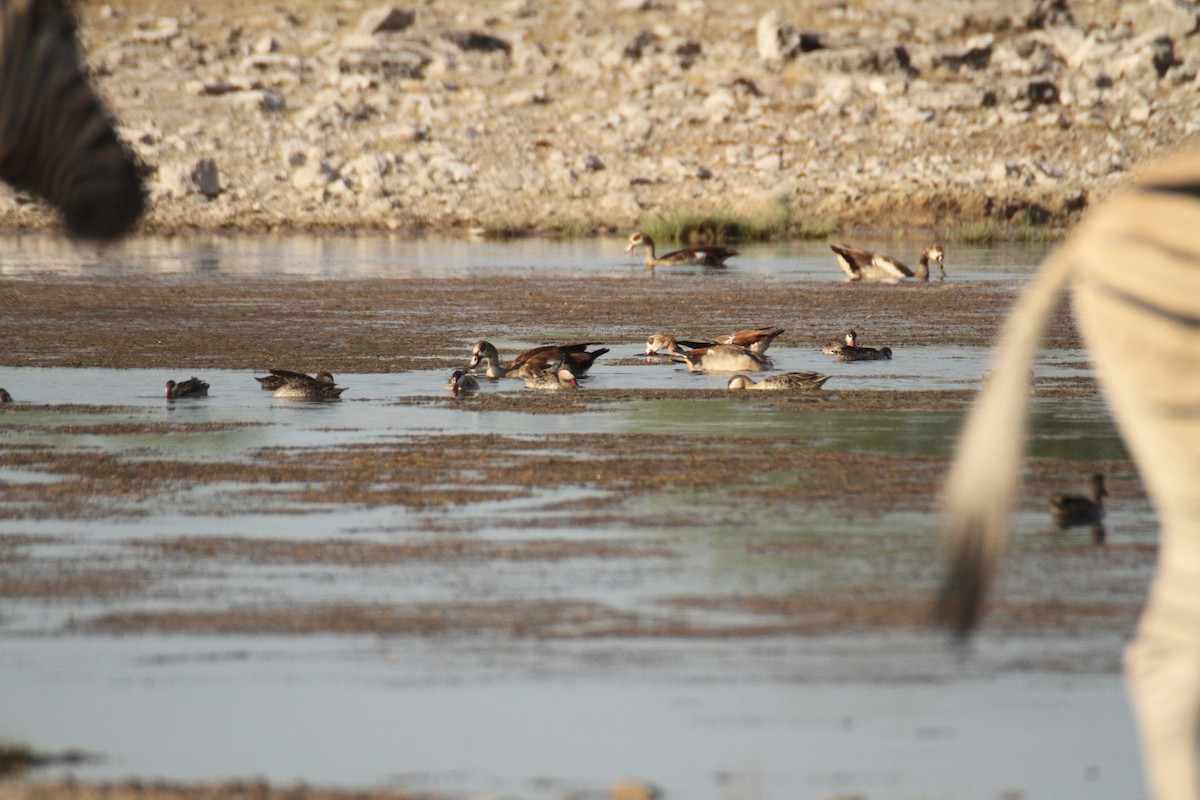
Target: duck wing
[
  {"x": 889, "y": 266},
  {"x": 852, "y": 260}
]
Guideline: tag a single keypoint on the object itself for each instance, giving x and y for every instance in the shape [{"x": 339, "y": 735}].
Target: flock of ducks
[
  {"x": 559, "y": 367},
  {"x": 281, "y": 383},
  {"x": 858, "y": 264}
]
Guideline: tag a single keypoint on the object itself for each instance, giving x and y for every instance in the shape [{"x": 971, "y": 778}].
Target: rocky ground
[{"x": 584, "y": 115}]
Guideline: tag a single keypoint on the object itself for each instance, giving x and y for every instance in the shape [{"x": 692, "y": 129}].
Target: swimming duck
[
  {"x": 299, "y": 386},
  {"x": 758, "y": 339},
  {"x": 709, "y": 356},
  {"x": 863, "y": 265},
  {"x": 1070, "y": 510},
  {"x": 576, "y": 356},
  {"x": 5, "y": 397},
  {"x": 837, "y": 346},
  {"x": 280, "y": 376},
  {"x": 553, "y": 378},
  {"x": 694, "y": 256},
  {"x": 791, "y": 381},
  {"x": 858, "y": 353},
  {"x": 192, "y": 387},
  {"x": 462, "y": 384}
]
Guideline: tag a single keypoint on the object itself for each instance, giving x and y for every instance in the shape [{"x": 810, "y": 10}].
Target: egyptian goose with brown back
[
  {"x": 758, "y": 339},
  {"x": 863, "y": 265},
  {"x": 688, "y": 256},
  {"x": 576, "y": 356}
]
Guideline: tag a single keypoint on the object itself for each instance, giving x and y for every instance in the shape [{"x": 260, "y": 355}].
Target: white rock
[
  {"x": 772, "y": 162},
  {"x": 266, "y": 44},
  {"x": 778, "y": 40},
  {"x": 448, "y": 169},
  {"x": 622, "y": 206}
]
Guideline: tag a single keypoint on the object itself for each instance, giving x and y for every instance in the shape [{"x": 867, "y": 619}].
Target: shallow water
[
  {"x": 382, "y": 256},
  {"x": 885, "y": 715}
]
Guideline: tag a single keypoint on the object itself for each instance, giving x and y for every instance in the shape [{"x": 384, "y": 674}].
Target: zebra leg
[
  {"x": 56, "y": 138},
  {"x": 1137, "y": 302},
  {"x": 1162, "y": 668}
]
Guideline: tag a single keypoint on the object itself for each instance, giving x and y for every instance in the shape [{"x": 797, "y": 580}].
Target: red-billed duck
[
  {"x": 192, "y": 387},
  {"x": 299, "y": 386},
  {"x": 280, "y": 376},
  {"x": 858, "y": 353},
  {"x": 1070, "y": 510},
  {"x": 788, "y": 381},
  {"x": 552, "y": 378},
  {"x": 462, "y": 384},
  {"x": 835, "y": 347}
]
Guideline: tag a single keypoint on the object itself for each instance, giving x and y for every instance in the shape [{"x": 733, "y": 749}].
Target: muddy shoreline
[{"x": 392, "y": 325}]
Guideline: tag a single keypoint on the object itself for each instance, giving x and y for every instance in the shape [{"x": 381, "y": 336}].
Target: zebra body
[
  {"x": 1133, "y": 268},
  {"x": 56, "y": 138}
]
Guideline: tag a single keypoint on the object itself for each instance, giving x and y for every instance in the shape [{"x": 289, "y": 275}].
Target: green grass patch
[
  {"x": 772, "y": 220},
  {"x": 503, "y": 228},
  {"x": 989, "y": 232},
  {"x": 570, "y": 227}
]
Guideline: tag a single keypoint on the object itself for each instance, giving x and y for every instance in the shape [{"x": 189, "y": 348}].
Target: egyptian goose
[
  {"x": 5, "y": 397},
  {"x": 462, "y": 384},
  {"x": 192, "y": 387},
  {"x": 553, "y": 378},
  {"x": 279, "y": 377},
  {"x": 709, "y": 356},
  {"x": 792, "y": 381},
  {"x": 576, "y": 356},
  {"x": 837, "y": 346},
  {"x": 1069, "y": 510},
  {"x": 299, "y": 386},
  {"x": 863, "y": 265},
  {"x": 688, "y": 256},
  {"x": 757, "y": 340}
]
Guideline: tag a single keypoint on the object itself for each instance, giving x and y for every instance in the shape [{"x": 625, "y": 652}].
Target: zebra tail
[{"x": 983, "y": 479}]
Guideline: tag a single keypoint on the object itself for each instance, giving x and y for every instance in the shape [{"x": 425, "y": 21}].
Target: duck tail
[{"x": 982, "y": 481}]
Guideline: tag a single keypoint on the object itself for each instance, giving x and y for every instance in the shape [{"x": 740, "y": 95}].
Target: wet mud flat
[
  {"x": 398, "y": 324},
  {"x": 604, "y": 518}
]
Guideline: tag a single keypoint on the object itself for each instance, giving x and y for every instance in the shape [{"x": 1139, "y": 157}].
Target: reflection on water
[
  {"x": 400, "y": 256},
  {"x": 884, "y": 714}
]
